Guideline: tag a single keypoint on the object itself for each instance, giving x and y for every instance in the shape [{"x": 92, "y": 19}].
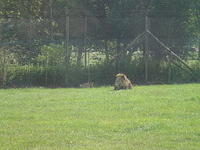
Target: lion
[{"x": 122, "y": 82}]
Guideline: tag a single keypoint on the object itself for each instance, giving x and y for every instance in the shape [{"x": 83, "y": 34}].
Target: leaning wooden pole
[
  {"x": 136, "y": 40},
  {"x": 169, "y": 50}
]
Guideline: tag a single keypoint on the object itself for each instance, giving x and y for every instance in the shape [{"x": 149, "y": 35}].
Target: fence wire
[{"x": 66, "y": 50}]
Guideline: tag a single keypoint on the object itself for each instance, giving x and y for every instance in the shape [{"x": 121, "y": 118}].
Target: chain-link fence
[{"x": 71, "y": 48}]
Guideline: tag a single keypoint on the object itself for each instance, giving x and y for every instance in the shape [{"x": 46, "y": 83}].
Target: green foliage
[
  {"x": 38, "y": 51},
  {"x": 52, "y": 54},
  {"x": 24, "y": 76},
  {"x": 100, "y": 74},
  {"x": 196, "y": 70}
]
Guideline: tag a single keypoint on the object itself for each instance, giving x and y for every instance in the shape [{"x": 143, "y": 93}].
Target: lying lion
[{"x": 122, "y": 82}]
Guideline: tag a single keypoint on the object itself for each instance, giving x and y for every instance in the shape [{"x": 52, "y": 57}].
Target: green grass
[{"x": 159, "y": 117}]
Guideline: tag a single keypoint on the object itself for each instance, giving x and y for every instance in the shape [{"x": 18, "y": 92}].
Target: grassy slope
[{"x": 146, "y": 117}]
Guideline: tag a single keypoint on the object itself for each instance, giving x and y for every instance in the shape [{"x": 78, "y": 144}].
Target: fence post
[
  {"x": 169, "y": 69},
  {"x": 67, "y": 28},
  {"x": 146, "y": 56},
  {"x": 4, "y": 68},
  {"x": 28, "y": 80},
  {"x": 51, "y": 20},
  {"x": 66, "y": 44},
  {"x": 199, "y": 50},
  {"x": 46, "y": 73},
  {"x": 85, "y": 39}
]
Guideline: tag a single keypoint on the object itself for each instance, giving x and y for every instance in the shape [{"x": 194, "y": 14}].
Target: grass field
[{"x": 159, "y": 117}]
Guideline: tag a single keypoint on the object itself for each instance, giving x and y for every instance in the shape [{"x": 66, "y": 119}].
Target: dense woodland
[{"x": 62, "y": 43}]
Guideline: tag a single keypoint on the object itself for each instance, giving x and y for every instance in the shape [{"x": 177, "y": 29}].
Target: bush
[{"x": 100, "y": 74}]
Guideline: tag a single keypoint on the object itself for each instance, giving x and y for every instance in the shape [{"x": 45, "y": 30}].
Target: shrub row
[{"x": 100, "y": 74}]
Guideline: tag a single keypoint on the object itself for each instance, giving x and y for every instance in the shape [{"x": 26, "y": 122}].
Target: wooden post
[
  {"x": 146, "y": 56},
  {"x": 28, "y": 81},
  {"x": 46, "y": 73},
  {"x": 169, "y": 69},
  {"x": 67, "y": 19},
  {"x": 29, "y": 32},
  {"x": 85, "y": 35},
  {"x": 51, "y": 19},
  {"x": 106, "y": 50},
  {"x": 4, "y": 68},
  {"x": 85, "y": 39},
  {"x": 199, "y": 50}
]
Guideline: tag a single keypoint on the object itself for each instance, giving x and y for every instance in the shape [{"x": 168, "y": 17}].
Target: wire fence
[{"x": 68, "y": 49}]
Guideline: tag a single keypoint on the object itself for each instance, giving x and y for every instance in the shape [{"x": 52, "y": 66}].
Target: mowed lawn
[{"x": 158, "y": 117}]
